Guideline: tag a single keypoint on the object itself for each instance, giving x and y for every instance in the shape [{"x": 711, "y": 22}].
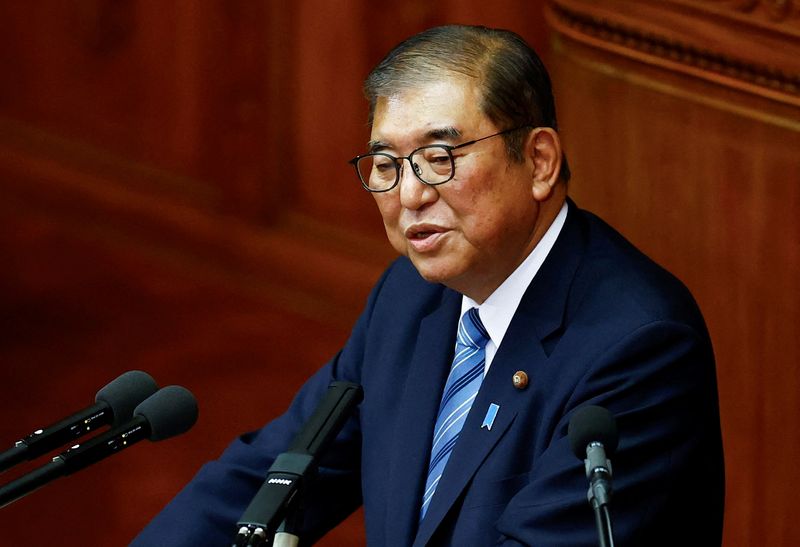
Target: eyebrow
[{"x": 439, "y": 134}]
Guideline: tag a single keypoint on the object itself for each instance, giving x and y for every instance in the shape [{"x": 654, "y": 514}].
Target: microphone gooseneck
[{"x": 593, "y": 436}]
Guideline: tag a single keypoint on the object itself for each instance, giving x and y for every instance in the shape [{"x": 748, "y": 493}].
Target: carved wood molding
[
  {"x": 769, "y": 11},
  {"x": 748, "y": 45}
]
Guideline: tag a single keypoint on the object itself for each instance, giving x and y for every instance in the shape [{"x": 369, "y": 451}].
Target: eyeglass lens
[{"x": 432, "y": 164}]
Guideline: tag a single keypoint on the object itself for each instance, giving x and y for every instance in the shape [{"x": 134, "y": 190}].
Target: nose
[{"x": 414, "y": 194}]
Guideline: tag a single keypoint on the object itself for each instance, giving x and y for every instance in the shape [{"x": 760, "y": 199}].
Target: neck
[{"x": 487, "y": 283}]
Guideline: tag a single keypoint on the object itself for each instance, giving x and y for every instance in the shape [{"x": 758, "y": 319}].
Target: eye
[
  {"x": 436, "y": 155},
  {"x": 383, "y": 163}
]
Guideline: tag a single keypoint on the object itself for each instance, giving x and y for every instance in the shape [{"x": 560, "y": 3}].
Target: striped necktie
[{"x": 466, "y": 375}]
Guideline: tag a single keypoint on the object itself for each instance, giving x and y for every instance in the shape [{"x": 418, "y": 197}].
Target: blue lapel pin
[{"x": 491, "y": 414}]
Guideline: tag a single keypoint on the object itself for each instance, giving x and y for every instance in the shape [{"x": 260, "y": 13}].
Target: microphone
[
  {"x": 114, "y": 404},
  {"x": 286, "y": 475},
  {"x": 593, "y": 436},
  {"x": 168, "y": 412}
]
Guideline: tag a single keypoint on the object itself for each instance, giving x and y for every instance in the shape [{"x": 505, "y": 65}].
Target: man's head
[
  {"x": 444, "y": 88},
  {"x": 514, "y": 85}
]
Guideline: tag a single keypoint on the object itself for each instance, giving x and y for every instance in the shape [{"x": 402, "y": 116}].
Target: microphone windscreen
[
  {"x": 170, "y": 411},
  {"x": 124, "y": 393},
  {"x": 592, "y": 424}
]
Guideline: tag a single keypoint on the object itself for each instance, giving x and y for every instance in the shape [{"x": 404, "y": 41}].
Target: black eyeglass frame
[{"x": 397, "y": 160}]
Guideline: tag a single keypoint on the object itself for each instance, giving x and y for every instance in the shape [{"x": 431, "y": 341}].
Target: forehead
[{"x": 416, "y": 112}]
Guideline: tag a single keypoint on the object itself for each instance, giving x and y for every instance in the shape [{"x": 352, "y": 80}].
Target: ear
[{"x": 544, "y": 150}]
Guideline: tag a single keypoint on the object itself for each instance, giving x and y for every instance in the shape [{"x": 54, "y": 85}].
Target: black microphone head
[
  {"x": 592, "y": 424},
  {"x": 125, "y": 392},
  {"x": 170, "y": 411}
]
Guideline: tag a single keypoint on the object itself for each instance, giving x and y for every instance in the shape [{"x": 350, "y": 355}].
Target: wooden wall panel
[{"x": 700, "y": 167}]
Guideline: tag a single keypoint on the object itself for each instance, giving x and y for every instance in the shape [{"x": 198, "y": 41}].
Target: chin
[{"x": 432, "y": 273}]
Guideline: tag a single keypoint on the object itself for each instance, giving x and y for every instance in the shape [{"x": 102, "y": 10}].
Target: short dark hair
[{"x": 514, "y": 83}]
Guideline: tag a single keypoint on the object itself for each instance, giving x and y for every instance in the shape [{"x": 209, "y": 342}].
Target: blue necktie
[{"x": 466, "y": 375}]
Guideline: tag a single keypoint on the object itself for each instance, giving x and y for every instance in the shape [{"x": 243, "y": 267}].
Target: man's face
[{"x": 473, "y": 231}]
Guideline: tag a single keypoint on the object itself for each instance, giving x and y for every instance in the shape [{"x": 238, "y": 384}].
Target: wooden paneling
[
  {"x": 700, "y": 167},
  {"x": 749, "y": 45}
]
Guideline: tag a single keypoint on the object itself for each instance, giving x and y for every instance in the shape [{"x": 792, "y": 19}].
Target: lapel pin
[
  {"x": 491, "y": 414},
  {"x": 520, "y": 379}
]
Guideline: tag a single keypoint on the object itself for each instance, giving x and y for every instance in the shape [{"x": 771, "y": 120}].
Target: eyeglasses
[{"x": 433, "y": 165}]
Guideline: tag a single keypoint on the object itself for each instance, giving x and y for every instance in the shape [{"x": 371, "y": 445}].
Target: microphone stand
[
  {"x": 276, "y": 501},
  {"x": 598, "y": 470},
  {"x": 285, "y": 534},
  {"x": 273, "y": 514},
  {"x": 602, "y": 519}
]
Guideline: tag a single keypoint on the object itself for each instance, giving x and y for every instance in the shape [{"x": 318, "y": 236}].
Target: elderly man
[{"x": 509, "y": 309}]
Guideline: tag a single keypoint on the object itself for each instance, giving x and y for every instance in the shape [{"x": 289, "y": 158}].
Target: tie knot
[{"x": 471, "y": 331}]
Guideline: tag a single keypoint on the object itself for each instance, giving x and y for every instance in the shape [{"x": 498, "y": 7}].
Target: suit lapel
[
  {"x": 539, "y": 315},
  {"x": 427, "y": 374},
  {"x": 545, "y": 302}
]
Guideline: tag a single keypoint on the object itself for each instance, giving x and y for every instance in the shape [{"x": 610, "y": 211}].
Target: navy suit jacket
[{"x": 600, "y": 324}]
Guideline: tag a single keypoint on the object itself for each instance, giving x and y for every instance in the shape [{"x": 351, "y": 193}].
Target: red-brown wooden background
[{"x": 174, "y": 197}]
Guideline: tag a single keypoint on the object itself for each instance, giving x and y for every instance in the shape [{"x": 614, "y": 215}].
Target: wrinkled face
[{"x": 473, "y": 231}]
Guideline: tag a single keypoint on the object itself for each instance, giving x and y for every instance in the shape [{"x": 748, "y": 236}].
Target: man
[{"x": 509, "y": 309}]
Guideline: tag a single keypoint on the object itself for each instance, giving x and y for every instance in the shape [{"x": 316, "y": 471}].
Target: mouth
[
  {"x": 422, "y": 234},
  {"x": 425, "y": 237},
  {"x": 421, "y": 231}
]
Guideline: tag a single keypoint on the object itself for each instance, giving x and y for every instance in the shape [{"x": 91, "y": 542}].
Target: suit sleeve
[
  {"x": 660, "y": 384},
  {"x": 205, "y": 512}
]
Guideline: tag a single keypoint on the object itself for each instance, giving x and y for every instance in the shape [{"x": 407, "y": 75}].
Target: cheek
[
  {"x": 481, "y": 209},
  {"x": 389, "y": 209},
  {"x": 490, "y": 219}
]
